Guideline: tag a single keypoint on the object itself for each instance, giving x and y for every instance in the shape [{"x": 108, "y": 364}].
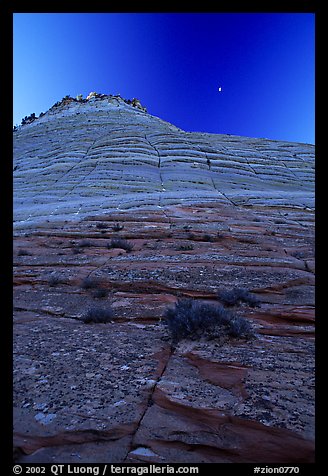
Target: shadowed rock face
[{"x": 203, "y": 212}]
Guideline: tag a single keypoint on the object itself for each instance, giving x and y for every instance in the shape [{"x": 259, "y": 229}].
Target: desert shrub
[
  {"x": 55, "y": 279},
  {"x": 97, "y": 315},
  {"x": 185, "y": 247},
  {"x": 101, "y": 225},
  {"x": 99, "y": 293},
  {"x": 85, "y": 244},
  {"x": 192, "y": 319},
  {"x": 23, "y": 252},
  {"x": 208, "y": 237},
  {"x": 117, "y": 227},
  {"x": 28, "y": 119},
  {"x": 76, "y": 250},
  {"x": 120, "y": 243},
  {"x": 88, "y": 283},
  {"x": 239, "y": 326},
  {"x": 236, "y": 296}
]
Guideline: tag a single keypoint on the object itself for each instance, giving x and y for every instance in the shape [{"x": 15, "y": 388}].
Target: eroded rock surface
[{"x": 203, "y": 212}]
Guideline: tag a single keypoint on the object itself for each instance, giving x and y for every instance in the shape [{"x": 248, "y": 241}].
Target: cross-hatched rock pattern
[
  {"x": 202, "y": 215},
  {"x": 83, "y": 158}
]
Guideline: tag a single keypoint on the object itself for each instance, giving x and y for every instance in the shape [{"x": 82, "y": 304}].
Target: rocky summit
[{"x": 131, "y": 238}]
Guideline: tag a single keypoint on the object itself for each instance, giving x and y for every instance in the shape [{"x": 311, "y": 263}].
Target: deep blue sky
[{"x": 175, "y": 63}]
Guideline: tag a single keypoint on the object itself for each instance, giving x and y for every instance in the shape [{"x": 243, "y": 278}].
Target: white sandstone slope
[{"x": 89, "y": 157}]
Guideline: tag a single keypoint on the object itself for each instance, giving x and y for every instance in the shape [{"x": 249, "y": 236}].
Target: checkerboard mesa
[{"x": 207, "y": 214}]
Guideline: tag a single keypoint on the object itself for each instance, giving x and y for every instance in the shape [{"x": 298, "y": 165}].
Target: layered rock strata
[
  {"x": 203, "y": 212},
  {"x": 104, "y": 155}
]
